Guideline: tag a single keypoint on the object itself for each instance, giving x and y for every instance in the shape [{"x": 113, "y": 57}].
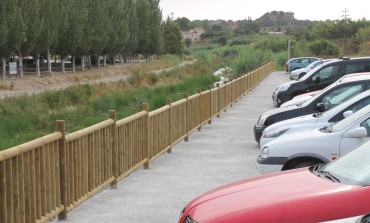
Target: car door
[
  {"x": 347, "y": 144},
  {"x": 324, "y": 77}
]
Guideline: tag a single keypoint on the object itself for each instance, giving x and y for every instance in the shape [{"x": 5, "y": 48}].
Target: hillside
[{"x": 279, "y": 21}]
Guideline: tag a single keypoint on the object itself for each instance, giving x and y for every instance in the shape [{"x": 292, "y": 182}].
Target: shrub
[{"x": 324, "y": 47}]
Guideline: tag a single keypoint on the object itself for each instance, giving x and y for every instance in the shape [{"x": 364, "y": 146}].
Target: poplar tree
[
  {"x": 3, "y": 35},
  {"x": 173, "y": 43},
  {"x": 144, "y": 26},
  {"x": 17, "y": 28},
  {"x": 156, "y": 34},
  {"x": 131, "y": 16},
  {"x": 74, "y": 35},
  {"x": 54, "y": 14},
  {"x": 98, "y": 27},
  {"x": 118, "y": 30},
  {"x": 30, "y": 11}
]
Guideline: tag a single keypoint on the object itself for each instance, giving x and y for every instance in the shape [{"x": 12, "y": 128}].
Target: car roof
[{"x": 354, "y": 77}]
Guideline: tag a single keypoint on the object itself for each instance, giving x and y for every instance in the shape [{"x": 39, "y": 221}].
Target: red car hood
[{"x": 259, "y": 191}]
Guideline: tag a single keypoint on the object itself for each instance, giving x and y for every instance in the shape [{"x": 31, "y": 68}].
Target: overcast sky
[{"x": 242, "y": 9}]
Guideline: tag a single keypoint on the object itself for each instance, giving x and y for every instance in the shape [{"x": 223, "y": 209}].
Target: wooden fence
[{"x": 50, "y": 176}]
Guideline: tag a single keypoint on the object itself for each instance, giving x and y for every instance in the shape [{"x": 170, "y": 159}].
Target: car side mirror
[
  {"x": 317, "y": 80},
  {"x": 358, "y": 132},
  {"x": 347, "y": 113},
  {"x": 320, "y": 107}
]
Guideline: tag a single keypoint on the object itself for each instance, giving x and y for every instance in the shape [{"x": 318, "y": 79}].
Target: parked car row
[
  {"x": 320, "y": 77},
  {"x": 314, "y": 156}
]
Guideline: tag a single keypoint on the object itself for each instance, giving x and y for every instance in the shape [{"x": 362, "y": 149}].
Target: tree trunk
[
  {"x": 4, "y": 67},
  {"x": 20, "y": 65},
  {"x": 105, "y": 60},
  {"x": 82, "y": 62},
  {"x": 89, "y": 65},
  {"x": 63, "y": 65},
  {"x": 125, "y": 56},
  {"x": 49, "y": 59},
  {"x": 73, "y": 64},
  {"x": 38, "y": 65},
  {"x": 98, "y": 60}
]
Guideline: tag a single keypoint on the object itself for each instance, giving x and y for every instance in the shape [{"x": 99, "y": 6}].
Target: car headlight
[
  {"x": 284, "y": 87},
  {"x": 275, "y": 133},
  {"x": 264, "y": 153},
  {"x": 262, "y": 119}
]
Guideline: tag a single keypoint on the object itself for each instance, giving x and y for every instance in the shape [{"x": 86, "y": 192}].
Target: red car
[{"x": 337, "y": 191}]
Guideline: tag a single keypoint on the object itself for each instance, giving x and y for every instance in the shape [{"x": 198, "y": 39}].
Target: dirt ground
[{"x": 31, "y": 84}]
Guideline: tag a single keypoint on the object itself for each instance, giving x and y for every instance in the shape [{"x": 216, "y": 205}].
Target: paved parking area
[{"x": 222, "y": 152}]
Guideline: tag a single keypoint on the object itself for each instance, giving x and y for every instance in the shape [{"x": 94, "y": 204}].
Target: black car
[
  {"x": 320, "y": 77},
  {"x": 338, "y": 92}
]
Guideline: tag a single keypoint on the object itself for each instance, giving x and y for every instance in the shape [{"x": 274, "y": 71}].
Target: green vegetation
[{"x": 25, "y": 118}]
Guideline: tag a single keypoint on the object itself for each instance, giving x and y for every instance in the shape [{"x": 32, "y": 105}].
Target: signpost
[{"x": 13, "y": 68}]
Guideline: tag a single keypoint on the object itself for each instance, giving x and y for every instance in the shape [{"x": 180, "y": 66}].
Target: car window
[
  {"x": 340, "y": 95},
  {"x": 326, "y": 73},
  {"x": 344, "y": 123},
  {"x": 354, "y": 108},
  {"x": 366, "y": 124},
  {"x": 357, "y": 67}
]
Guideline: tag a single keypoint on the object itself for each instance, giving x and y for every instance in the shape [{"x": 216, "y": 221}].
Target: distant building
[{"x": 193, "y": 34}]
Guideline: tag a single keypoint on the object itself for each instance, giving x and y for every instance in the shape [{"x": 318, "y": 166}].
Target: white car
[
  {"x": 296, "y": 74},
  {"x": 320, "y": 145},
  {"x": 299, "y": 99},
  {"x": 316, "y": 120}
]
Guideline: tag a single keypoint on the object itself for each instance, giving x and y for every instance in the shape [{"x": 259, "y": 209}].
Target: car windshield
[
  {"x": 344, "y": 123},
  {"x": 352, "y": 168}
]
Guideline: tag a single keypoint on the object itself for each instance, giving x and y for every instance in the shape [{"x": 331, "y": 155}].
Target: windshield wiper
[
  {"x": 316, "y": 115},
  {"x": 323, "y": 173},
  {"x": 327, "y": 128},
  {"x": 328, "y": 175}
]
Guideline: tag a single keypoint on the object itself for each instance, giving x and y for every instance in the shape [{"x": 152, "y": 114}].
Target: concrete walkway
[{"x": 222, "y": 152}]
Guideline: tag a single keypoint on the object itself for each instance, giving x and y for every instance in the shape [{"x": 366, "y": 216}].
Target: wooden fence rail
[{"x": 52, "y": 175}]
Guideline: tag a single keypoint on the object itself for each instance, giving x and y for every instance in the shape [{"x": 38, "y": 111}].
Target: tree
[
  {"x": 187, "y": 42},
  {"x": 156, "y": 35},
  {"x": 246, "y": 27},
  {"x": 98, "y": 20},
  {"x": 131, "y": 16},
  {"x": 30, "y": 11},
  {"x": 172, "y": 38},
  {"x": 144, "y": 25},
  {"x": 183, "y": 23},
  {"x": 17, "y": 29},
  {"x": 3, "y": 35},
  {"x": 118, "y": 30},
  {"x": 72, "y": 39}
]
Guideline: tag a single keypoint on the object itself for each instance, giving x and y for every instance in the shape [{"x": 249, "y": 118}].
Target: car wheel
[{"x": 305, "y": 163}]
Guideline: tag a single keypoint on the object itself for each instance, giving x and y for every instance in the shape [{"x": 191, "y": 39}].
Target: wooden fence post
[
  {"x": 168, "y": 102},
  {"x": 60, "y": 126},
  {"x": 218, "y": 103},
  {"x": 145, "y": 107},
  {"x": 112, "y": 115},
  {"x": 210, "y": 104},
  {"x": 200, "y": 109},
  {"x": 187, "y": 117}
]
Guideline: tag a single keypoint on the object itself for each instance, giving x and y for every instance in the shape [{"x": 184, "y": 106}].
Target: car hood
[
  {"x": 313, "y": 135},
  {"x": 286, "y": 83},
  {"x": 266, "y": 190},
  {"x": 280, "y": 110},
  {"x": 301, "y": 120}
]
